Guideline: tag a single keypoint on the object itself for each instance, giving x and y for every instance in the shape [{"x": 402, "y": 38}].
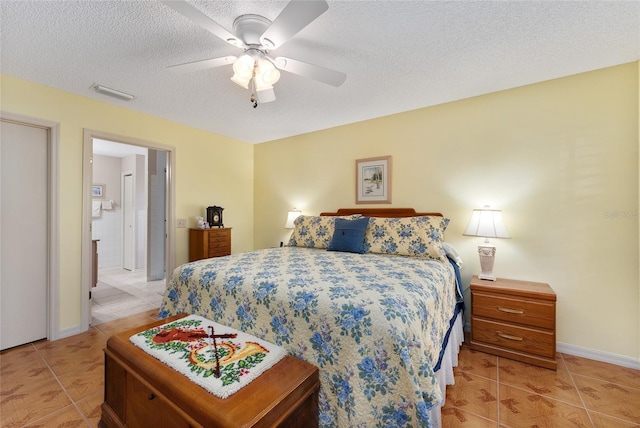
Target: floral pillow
[
  {"x": 408, "y": 236},
  {"x": 314, "y": 231}
]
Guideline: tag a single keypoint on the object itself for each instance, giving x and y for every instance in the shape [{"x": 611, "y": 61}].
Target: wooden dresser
[
  {"x": 207, "y": 243},
  {"x": 514, "y": 319},
  {"x": 141, "y": 391}
]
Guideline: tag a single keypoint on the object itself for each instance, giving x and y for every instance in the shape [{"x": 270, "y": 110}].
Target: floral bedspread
[{"x": 372, "y": 323}]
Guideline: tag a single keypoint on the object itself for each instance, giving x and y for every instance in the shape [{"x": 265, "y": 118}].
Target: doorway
[{"x": 122, "y": 224}]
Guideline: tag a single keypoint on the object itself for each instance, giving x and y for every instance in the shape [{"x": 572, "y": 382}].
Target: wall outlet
[{"x": 182, "y": 223}]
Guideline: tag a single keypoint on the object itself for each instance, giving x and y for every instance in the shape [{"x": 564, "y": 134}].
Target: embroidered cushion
[
  {"x": 409, "y": 236},
  {"x": 349, "y": 235},
  {"x": 314, "y": 231}
]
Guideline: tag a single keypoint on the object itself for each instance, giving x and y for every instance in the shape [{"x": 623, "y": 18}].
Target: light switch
[{"x": 182, "y": 223}]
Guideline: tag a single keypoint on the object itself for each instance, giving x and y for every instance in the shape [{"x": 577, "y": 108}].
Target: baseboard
[
  {"x": 592, "y": 354},
  {"x": 70, "y": 331}
]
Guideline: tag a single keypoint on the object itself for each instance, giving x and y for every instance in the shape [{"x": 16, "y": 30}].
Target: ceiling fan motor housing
[{"x": 249, "y": 28}]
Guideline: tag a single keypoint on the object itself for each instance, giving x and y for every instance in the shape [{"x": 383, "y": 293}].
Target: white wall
[{"x": 108, "y": 226}]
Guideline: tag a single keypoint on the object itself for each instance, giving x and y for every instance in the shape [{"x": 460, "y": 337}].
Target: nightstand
[{"x": 514, "y": 319}]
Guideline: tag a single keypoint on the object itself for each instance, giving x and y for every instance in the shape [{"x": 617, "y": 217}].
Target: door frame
[
  {"x": 53, "y": 241},
  {"x": 87, "y": 181}
]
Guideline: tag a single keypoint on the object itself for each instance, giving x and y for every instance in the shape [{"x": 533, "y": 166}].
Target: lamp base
[{"x": 487, "y": 254}]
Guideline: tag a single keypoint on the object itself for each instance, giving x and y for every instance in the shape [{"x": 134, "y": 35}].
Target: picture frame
[
  {"x": 373, "y": 180},
  {"x": 97, "y": 191}
]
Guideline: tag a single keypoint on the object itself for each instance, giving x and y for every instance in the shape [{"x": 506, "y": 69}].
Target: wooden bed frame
[{"x": 380, "y": 212}]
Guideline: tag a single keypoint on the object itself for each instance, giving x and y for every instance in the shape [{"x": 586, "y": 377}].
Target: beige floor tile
[
  {"x": 453, "y": 417},
  {"x": 85, "y": 381},
  {"x": 550, "y": 383},
  {"x": 605, "y": 371},
  {"x": 23, "y": 371},
  {"x": 69, "y": 363},
  {"x": 16, "y": 357},
  {"x": 69, "y": 417},
  {"x": 473, "y": 394},
  {"x": 91, "y": 407},
  {"x": 477, "y": 363},
  {"x": 519, "y": 408},
  {"x": 19, "y": 409},
  {"x": 603, "y": 421},
  {"x": 611, "y": 399}
]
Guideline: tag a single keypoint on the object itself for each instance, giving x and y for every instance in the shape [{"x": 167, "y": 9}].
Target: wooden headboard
[{"x": 380, "y": 212}]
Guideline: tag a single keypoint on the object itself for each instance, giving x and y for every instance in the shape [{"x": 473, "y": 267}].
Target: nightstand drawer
[
  {"x": 530, "y": 340},
  {"x": 516, "y": 310}
]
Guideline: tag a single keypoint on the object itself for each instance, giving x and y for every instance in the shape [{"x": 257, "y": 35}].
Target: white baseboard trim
[
  {"x": 592, "y": 354},
  {"x": 70, "y": 331}
]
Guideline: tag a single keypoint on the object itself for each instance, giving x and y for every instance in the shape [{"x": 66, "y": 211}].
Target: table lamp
[
  {"x": 291, "y": 216},
  {"x": 486, "y": 223}
]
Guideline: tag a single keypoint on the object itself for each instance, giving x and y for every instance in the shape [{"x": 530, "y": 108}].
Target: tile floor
[
  {"x": 493, "y": 391},
  {"x": 60, "y": 384},
  {"x": 121, "y": 293}
]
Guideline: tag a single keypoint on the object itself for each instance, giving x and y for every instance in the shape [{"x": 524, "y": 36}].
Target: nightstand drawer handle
[
  {"x": 511, "y": 311},
  {"x": 510, "y": 337}
]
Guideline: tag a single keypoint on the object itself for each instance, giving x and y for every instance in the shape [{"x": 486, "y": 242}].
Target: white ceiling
[{"x": 398, "y": 55}]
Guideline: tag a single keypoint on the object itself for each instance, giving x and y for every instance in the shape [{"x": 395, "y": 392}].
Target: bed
[{"x": 383, "y": 323}]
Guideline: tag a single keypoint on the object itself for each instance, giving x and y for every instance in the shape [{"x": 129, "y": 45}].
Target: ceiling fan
[{"x": 257, "y": 36}]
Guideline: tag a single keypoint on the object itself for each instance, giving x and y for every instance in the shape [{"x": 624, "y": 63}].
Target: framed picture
[
  {"x": 373, "y": 180},
  {"x": 97, "y": 191}
]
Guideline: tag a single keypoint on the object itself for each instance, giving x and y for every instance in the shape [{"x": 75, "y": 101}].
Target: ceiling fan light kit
[{"x": 257, "y": 36}]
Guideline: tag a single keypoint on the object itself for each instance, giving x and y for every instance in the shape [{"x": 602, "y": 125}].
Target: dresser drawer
[
  {"x": 515, "y": 337},
  {"x": 219, "y": 251},
  {"x": 514, "y": 310},
  {"x": 221, "y": 236}
]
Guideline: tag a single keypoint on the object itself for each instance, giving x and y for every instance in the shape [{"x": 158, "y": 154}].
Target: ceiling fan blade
[
  {"x": 266, "y": 95},
  {"x": 203, "y": 20},
  {"x": 202, "y": 65},
  {"x": 293, "y": 18},
  {"x": 304, "y": 69}
]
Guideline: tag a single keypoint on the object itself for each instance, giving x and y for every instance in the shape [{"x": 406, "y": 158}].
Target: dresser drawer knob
[
  {"x": 152, "y": 396},
  {"x": 509, "y": 337},
  {"x": 511, "y": 311}
]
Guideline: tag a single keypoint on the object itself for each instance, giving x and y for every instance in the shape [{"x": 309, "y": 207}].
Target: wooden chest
[
  {"x": 514, "y": 319},
  {"x": 207, "y": 243},
  {"x": 141, "y": 391}
]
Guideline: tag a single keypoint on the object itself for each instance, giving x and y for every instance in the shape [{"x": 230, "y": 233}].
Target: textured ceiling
[{"x": 398, "y": 55}]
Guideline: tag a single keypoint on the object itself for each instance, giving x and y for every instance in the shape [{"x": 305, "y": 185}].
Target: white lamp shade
[
  {"x": 291, "y": 216},
  {"x": 267, "y": 72},
  {"x": 486, "y": 223},
  {"x": 242, "y": 81},
  {"x": 243, "y": 66}
]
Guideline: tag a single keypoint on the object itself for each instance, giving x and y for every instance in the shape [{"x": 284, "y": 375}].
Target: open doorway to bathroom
[{"x": 128, "y": 229}]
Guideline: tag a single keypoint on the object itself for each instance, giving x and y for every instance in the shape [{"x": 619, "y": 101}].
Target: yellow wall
[
  {"x": 210, "y": 169},
  {"x": 560, "y": 158}
]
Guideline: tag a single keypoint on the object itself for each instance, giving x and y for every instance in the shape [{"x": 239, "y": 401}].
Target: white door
[
  {"x": 23, "y": 234},
  {"x": 128, "y": 212}
]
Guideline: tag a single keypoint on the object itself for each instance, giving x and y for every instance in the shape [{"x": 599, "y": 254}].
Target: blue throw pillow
[{"x": 349, "y": 235}]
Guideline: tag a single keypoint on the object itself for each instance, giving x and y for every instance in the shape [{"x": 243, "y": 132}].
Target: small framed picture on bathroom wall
[{"x": 97, "y": 191}]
